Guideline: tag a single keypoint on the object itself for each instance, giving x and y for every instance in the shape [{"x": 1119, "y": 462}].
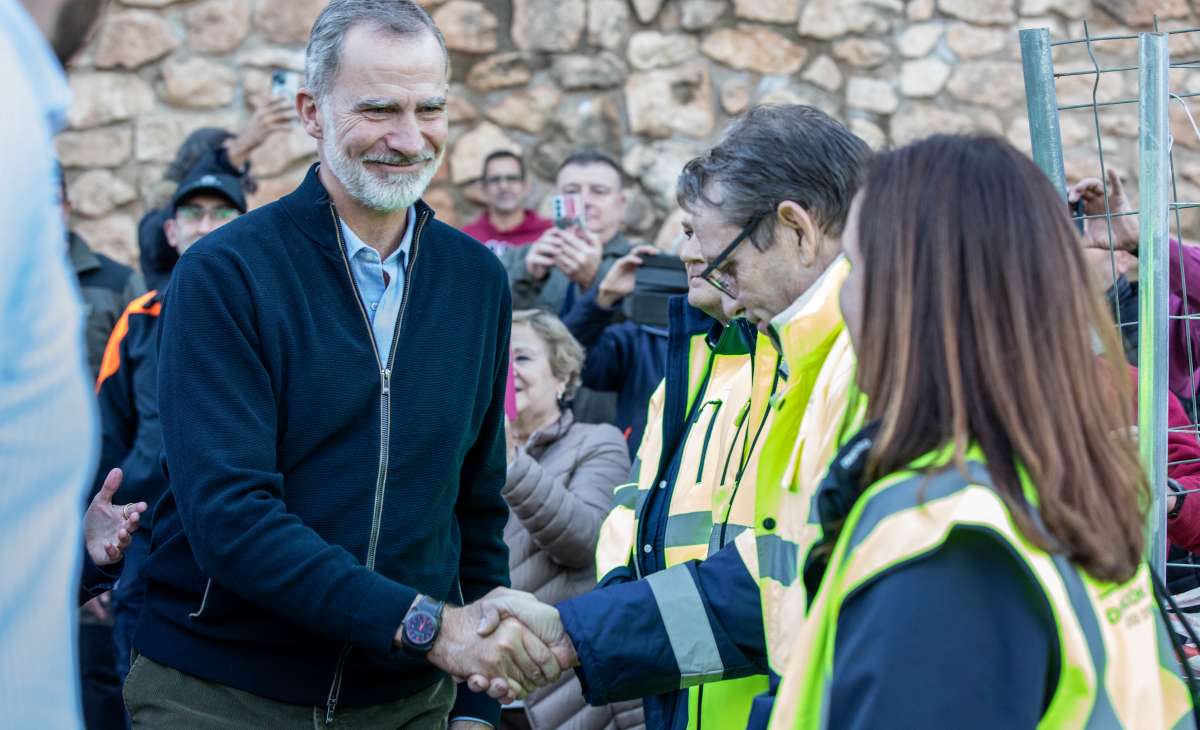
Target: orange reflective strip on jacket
[{"x": 111, "y": 362}]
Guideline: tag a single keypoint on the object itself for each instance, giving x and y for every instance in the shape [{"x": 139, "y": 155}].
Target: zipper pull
[
  {"x": 387, "y": 381},
  {"x": 330, "y": 706}
]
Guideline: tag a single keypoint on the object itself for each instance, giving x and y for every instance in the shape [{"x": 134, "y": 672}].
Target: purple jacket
[{"x": 1184, "y": 335}]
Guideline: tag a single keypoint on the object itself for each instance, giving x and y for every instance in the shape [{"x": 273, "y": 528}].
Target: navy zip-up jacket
[
  {"x": 314, "y": 491},
  {"x": 625, "y": 357}
]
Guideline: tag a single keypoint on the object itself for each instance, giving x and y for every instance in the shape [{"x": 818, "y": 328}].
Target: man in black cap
[{"x": 127, "y": 389}]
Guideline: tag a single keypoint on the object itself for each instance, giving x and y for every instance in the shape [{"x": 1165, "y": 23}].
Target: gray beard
[{"x": 394, "y": 193}]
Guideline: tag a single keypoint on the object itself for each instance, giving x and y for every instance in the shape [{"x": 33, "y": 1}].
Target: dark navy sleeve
[
  {"x": 586, "y": 319},
  {"x": 613, "y": 667},
  {"x": 95, "y": 579},
  {"x": 961, "y": 638}
]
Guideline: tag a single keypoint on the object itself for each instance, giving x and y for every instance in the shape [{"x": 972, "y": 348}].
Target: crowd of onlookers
[
  {"x": 582, "y": 371},
  {"x": 598, "y": 332}
]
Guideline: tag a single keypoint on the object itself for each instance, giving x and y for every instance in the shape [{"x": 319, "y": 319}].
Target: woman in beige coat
[{"x": 560, "y": 482}]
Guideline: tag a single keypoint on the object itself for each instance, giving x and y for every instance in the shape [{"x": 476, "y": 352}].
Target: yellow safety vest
[
  {"x": 1118, "y": 667},
  {"x": 717, "y": 391},
  {"x": 815, "y": 405}
]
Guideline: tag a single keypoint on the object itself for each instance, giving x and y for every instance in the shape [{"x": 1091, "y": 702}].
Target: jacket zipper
[
  {"x": 712, "y": 421},
  {"x": 385, "y": 420}
]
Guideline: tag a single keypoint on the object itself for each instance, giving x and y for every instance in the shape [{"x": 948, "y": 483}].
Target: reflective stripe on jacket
[
  {"x": 1118, "y": 668},
  {"x": 667, "y": 510}
]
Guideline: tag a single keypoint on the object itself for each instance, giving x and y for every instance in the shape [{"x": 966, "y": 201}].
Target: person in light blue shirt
[{"x": 47, "y": 415}]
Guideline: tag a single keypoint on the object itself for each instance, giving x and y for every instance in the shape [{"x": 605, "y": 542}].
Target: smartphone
[
  {"x": 660, "y": 277},
  {"x": 1075, "y": 210},
  {"x": 284, "y": 84},
  {"x": 568, "y": 210}
]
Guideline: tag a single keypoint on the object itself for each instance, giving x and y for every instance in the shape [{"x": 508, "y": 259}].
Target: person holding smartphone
[{"x": 578, "y": 251}]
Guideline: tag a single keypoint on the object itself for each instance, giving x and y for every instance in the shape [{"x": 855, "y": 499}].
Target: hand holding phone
[{"x": 567, "y": 210}]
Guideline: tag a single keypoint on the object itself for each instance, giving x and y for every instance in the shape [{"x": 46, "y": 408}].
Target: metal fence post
[
  {"x": 1042, "y": 102},
  {"x": 1154, "y": 150}
]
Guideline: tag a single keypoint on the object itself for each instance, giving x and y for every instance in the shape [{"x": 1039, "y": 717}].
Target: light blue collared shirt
[
  {"x": 47, "y": 412},
  {"x": 381, "y": 300}
]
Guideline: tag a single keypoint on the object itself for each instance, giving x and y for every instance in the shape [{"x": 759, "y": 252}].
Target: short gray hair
[
  {"x": 563, "y": 350},
  {"x": 777, "y": 153},
  {"x": 324, "y": 53}
]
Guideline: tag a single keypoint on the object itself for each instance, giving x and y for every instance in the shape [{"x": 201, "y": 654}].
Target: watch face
[{"x": 421, "y": 628}]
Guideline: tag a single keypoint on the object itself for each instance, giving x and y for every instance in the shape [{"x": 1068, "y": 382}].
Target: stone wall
[{"x": 650, "y": 81}]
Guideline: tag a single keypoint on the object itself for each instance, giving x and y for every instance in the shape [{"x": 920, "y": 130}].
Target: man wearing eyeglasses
[
  {"x": 765, "y": 210},
  {"x": 506, "y": 223},
  {"x": 127, "y": 390}
]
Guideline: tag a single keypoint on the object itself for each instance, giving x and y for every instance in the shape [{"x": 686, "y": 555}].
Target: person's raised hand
[
  {"x": 276, "y": 114},
  {"x": 543, "y": 253},
  {"x": 619, "y": 282},
  {"x": 1095, "y": 231},
  {"x": 510, "y": 652},
  {"x": 502, "y": 605},
  {"x": 108, "y": 528},
  {"x": 579, "y": 257}
]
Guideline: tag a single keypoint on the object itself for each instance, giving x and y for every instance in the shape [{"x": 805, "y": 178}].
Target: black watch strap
[{"x": 1178, "y": 490}]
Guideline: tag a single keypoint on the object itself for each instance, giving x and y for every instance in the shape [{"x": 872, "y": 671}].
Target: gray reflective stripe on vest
[
  {"x": 687, "y": 529},
  {"x": 912, "y": 492},
  {"x": 731, "y": 533},
  {"x": 625, "y": 495},
  {"x": 777, "y": 558},
  {"x": 1103, "y": 716},
  {"x": 687, "y": 627}
]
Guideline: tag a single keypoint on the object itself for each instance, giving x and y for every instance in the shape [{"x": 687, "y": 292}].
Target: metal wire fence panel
[{"x": 1085, "y": 96}]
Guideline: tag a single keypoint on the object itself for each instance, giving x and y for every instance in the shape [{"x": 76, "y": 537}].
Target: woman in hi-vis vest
[{"x": 982, "y": 561}]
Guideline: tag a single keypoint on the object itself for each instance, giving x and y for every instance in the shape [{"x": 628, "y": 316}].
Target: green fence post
[
  {"x": 1042, "y": 102},
  {"x": 1154, "y": 154}
]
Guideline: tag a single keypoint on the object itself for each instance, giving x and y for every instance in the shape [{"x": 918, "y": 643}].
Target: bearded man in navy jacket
[{"x": 331, "y": 385}]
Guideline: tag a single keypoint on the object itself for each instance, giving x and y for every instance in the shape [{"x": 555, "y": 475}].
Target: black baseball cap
[{"x": 227, "y": 186}]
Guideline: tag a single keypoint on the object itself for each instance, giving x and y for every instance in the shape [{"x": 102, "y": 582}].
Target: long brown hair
[{"x": 979, "y": 324}]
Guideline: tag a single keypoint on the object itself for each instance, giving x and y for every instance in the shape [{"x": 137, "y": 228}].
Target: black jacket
[
  {"x": 313, "y": 491},
  {"x": 127, "y": 394}
]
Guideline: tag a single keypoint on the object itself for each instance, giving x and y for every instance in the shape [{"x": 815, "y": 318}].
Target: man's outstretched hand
[
  {"x": 503, "y": 606},
  {"x": 108, "y": 528},
  {"x": 509, "y": 651}
]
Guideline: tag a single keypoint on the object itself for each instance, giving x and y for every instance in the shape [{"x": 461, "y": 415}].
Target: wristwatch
[
  {"x": 422, "y": 624},
  {"x": 1177, "y": 489}
]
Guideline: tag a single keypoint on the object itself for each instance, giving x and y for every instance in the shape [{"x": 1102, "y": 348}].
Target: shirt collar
[
  {"x": 354, "y": 244},
  {"x": 41, "y": 66}
]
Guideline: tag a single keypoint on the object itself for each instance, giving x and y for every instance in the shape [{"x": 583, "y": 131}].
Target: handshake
[{"x": 506, "y": 644}]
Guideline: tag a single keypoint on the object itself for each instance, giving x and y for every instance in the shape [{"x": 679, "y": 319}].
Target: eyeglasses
[
  {"x": 713, "y": 274},
  {"x": 497, "y": 179},
  {"x": 193, "y": 213}
]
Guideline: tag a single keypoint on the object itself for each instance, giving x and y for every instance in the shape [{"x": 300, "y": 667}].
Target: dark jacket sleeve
[
  {"x": 587, "y": 320},
  {"x": 219, "y": 419},
  {"x": 962, "y": 638},
  {"x": 482, "y": 512},
  {"x": 712, "y": 607},
  {"x": 118, "y": 413},
  {"x": 95, "y": 579}
]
